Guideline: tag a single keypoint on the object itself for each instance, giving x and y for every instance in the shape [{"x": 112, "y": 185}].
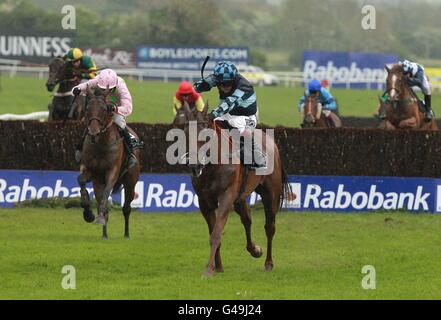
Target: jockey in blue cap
[
  {"x": 417, "y": 77},
  {"x": 238, "y": 105},
  {"x": 326, "y": 100}
]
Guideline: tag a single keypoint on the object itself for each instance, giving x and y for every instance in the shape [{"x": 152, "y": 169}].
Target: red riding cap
[{"x": 185, "y": 88}]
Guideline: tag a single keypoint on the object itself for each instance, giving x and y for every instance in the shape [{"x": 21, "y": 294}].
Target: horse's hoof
[
  {"x": 208, "y": 273},
  {"x": 104, "y": 238},
  {"x": 256, "y": 252},
  {"x": 88, "y": 216},
  {"x": 269, "y": 266},
  {"x": 219, "y": 269},
  {"x": 100, "y": 220}
]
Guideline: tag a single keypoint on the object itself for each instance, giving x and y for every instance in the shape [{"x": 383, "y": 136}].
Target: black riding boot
[
  {"x": 382, "y": 113},
  {"x": 428, "y": 115},
  {"x": 129, "y": 143},
  {"x": 259, "y": 157}
]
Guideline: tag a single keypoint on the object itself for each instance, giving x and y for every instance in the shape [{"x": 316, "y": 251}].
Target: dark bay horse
[
  {"x": 403, "y": 111},
  {"x": 104, "y": 161},
  {"x": 313, "y": 116},
  {"x": 221, "y": 187},
  {"x": 61, "y": 106}
]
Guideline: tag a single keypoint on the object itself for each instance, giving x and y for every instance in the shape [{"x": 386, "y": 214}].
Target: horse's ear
[
  {"x": 387, "y": 68},
  {"x": 205, "y": 110}
]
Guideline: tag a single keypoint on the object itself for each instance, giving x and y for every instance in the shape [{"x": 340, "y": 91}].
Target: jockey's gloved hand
[
  {"x": 112, "y": 107},
  {"x": 201, "y": 86},
  {"x": 76, "y": 91},
  {"x": 211, "y": 116}
]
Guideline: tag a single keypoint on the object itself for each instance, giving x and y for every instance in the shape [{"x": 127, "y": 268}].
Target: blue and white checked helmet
[
  {"x": 225, "y": 71},
  {"x": 408, "y": 67}
]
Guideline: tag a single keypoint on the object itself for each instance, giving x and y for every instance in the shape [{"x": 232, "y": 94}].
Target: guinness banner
[{"x": 33, "y": 48}]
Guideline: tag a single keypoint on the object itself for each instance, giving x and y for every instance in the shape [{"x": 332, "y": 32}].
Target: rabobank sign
[
  {"x": 190, "y": 58},
  {"x": 174, "y": 192},
  {"x": 346, "y": 69}
]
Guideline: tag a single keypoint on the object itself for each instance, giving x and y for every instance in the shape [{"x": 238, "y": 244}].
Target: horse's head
[
  {"x": 396, "y": 84},
  {"x": 183, "y": 115},
  {"x": 57, "y": 71},
  {"x": 311, "y": 112},
  {"x": 99, "y": 113},
  {"x": 194, "y": 122}
]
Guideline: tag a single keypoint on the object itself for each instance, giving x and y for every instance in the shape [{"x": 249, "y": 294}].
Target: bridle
[{"x": 103, "y": 125}]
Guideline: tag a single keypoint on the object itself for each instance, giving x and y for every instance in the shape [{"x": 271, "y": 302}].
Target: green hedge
[{"x": 346, "y": 151}]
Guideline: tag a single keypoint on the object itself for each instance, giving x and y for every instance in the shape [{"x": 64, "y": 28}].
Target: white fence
[
  {"x": 39, "y": 115},
  {"x": 286, "y": 78}
]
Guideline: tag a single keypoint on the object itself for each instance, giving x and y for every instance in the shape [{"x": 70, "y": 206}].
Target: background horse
[
  {"x": 104, "y": 161},
  {"x": 60, "y": 107},
  {"x": 313, "y": 116},
  {"x": 403, "y": 110},
  {"x": 221, "y": 187}
]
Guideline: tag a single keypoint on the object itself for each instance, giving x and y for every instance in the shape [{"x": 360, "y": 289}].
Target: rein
[{"x": 103, "y": 126}]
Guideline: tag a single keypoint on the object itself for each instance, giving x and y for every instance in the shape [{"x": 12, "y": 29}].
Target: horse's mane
[{"x": 396, "y": 68}]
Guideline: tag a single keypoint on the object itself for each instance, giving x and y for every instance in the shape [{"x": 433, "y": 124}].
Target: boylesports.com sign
[
  {"x": 188, "y": 58},
  {"x": 174, "y": 192},
  {"x": 340, "y": 68}
]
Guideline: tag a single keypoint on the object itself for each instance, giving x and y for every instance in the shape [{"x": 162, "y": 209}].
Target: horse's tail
[{"x": 286, "y": 193}]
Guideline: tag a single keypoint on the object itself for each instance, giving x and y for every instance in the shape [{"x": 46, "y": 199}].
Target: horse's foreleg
[
  {"x": 210, "y": 217},
  {"x": 103, "y": 213},
  {"x": 98, "y": 189},
  {"x": 82, "y": 179},
  {"x": 242, "y": 209},
  {"x": 225, "y": 203}
]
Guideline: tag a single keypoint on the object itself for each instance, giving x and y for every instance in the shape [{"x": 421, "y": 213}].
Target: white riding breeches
[{"x": 241, "y": 123}]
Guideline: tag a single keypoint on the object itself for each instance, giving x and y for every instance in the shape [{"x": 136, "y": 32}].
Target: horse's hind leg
[
  {"x": 129, "y": 194},
  {"x": 82, "y": 179},
  {"x": 242, "y": 209},
  {"x": 210, "y": 217}
]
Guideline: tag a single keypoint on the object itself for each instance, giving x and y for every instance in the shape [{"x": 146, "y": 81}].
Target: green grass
[
  {"x": 316, "y": 256},
  {"x": 152, "y": 100}
]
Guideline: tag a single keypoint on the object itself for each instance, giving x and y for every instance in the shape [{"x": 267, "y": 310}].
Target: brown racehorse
[
  {"x": 221, "y": 187},
  {"x": 403, "y": 111},
  {"x": 103, "y": 162},
  {"x": 61, "y": 107},
  {"x": 313, "y": 116}
]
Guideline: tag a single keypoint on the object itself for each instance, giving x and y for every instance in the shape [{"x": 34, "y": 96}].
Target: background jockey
[
  {"x": 186, "y": 93},
  {"x": 417, "y": 77},
  {"x": 82, "y": 65},
  {"x": 121, "y": 101},
  {"x": 326, "y": 100},
  {"x": 238, "y": 105}
]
